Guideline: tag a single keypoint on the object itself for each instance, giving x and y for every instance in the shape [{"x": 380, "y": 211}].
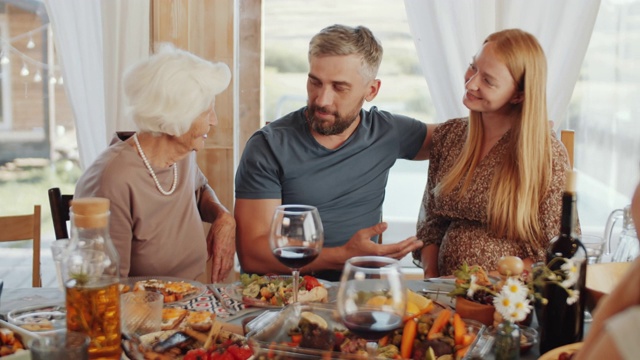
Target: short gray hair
[
  {"x": 166, "y": 92},
  {"x": 345, "y": 40}
]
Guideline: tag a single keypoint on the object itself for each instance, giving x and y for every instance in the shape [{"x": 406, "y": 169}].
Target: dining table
[{"x": 227, "y": 309}]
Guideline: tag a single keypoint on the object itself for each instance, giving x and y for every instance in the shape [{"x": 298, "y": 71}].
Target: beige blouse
[
  {"x": 458, "y": 225},
  {"x": 155, "y": 235}
]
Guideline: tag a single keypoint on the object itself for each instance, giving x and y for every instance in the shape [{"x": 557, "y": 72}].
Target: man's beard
[{"x": 339, "y": 125}]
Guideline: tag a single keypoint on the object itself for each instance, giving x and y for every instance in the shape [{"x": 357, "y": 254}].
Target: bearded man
[{"x": 331, "y": 154}]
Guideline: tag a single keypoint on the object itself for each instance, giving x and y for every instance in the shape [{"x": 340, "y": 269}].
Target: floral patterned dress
[{"x": 458, "y": 225}]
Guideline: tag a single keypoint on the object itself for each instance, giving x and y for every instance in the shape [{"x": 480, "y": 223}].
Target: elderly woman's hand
[{"x": 221, "y": 243}]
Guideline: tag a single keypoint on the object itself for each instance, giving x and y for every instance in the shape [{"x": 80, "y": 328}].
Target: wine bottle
[{"x": 561, "y": 322}]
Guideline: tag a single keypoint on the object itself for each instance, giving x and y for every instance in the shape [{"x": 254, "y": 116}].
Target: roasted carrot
[
  {"x": 439, "y": 323},
  {"x": 468, "y": 339},
  {"x": 422, "y": 311},
  {"x": 408, "y": 338},
  {"x": 459, "y": 329},
  {"x": 384, "y": 341}
]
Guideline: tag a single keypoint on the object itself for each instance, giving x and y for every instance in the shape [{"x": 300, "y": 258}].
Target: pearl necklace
[{"x": 153, "y": 174}]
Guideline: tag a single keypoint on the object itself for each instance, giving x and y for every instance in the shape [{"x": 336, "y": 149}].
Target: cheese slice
[
  {"x": 200, "y": 320},
  {"x": 171, "y": 317}
]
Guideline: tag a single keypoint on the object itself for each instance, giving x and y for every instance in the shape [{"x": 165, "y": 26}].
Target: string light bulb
[
  {"x": 25, "y": 70},
  {"x": 30, "y": 43},
  {"x": 4, "y": 59},
  {"x": 37, "y": 77},
  {"x": 52, "y": 80}
]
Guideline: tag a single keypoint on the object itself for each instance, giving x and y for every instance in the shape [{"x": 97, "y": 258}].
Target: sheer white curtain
[
  {"x": 448, "y": 33},
  {"x": 96, "y": 40}
]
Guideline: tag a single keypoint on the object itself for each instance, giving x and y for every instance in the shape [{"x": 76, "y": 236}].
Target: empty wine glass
[
  {"x": 594, "y": 245},
  {"x": 296, "y": 238},
  {"x": 372, "y": 297}
]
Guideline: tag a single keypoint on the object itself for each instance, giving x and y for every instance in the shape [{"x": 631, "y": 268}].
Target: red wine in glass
[
  {"x": 296, "y": 238},
  {"x": 372, "y": 325},
  {"x": 296, "y": 257}
]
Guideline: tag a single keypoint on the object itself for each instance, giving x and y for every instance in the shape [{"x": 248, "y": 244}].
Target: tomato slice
[
  {"x": 311, "y": 282},
  {"x": 197, "y": 354}
]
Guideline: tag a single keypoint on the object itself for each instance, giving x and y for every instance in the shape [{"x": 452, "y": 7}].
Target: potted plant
[{"x": 474, "y": 294}]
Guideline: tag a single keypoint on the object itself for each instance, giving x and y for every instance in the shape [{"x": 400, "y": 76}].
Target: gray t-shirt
[{"x": 347, "y": 185}]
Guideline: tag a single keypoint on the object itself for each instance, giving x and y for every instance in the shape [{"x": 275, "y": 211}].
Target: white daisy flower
[
  {"x": 521, "y": 310},
  {"x": 516, "y": 288},
  {"x": 503, "y": 304},
  {"x": 573, "y": 296},
  {"x": 571, "y": 271}
]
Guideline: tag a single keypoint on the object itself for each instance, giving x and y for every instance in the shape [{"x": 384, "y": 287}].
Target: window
[
  {"x": 604, "y": 112},
  {"x": 37, "y": 139}
]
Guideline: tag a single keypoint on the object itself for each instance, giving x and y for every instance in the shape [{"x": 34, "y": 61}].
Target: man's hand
[
  {"x": 360, "y": 244},
  {"x": 221, "y": 243}
]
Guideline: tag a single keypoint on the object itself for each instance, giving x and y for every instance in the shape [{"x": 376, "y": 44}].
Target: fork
[{"x": 224, "y": 302}]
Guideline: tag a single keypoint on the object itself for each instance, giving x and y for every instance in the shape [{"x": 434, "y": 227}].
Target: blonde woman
[{"x": 495, "y": 178}]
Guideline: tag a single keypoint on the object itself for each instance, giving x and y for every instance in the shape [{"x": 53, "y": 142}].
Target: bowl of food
[{"x": 602, "y": 279}]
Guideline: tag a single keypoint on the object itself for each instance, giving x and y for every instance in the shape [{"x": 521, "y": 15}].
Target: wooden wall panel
[
  {"x": 250, "y": 70},
  {"x": 206, "y": 29}
]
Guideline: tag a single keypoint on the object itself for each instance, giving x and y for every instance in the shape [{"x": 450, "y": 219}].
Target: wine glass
[
  {"x": 296, "y": 238},
  {"x": 372, "y": 297}
]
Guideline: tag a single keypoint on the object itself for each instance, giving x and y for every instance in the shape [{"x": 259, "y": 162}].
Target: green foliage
[
  {"x": 286, "y": 61},
  {"x": 22, "y": 188}
]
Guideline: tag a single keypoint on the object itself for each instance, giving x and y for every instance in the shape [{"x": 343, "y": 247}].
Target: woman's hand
[{"x": 221, "y": 244}]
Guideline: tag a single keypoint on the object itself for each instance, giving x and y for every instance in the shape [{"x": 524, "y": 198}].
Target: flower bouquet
[{"x": 474, "y": 294}]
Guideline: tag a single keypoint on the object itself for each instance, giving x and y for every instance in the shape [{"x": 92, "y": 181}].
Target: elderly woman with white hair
[{"x": 152, "y": 177}]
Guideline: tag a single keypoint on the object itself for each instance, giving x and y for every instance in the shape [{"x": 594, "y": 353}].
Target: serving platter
[
  {"x": 199, "y": 287},
  {"x": 40, "y": 319},
  {"x": 553, "y": 354},
  {"x": 235, "y": 291},
  {"x": 271, "y": 331}
]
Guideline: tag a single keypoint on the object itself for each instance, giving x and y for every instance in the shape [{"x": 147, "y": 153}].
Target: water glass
[
  {"x": 60, "y": 346},
  {"x": 58, "y": 248},
  {"x": 594, "y": 245},
  {"x": 141, "y": 312}
]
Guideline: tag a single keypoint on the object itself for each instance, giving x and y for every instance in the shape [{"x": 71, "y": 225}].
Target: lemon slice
[
  {"x": 419, "y": 300},
  {"x": 378, "y": 300},
  {"x": 316, "y": 319},
  {"x": 412, "y": 308}
]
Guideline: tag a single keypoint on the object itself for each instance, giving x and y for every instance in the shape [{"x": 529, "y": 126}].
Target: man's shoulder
[
  {"x": 375, "y": 114},
  {"x": 288, "y": 122}
]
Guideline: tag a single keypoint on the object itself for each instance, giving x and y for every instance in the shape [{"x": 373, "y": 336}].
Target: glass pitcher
[{"x": 628, "y": 246}]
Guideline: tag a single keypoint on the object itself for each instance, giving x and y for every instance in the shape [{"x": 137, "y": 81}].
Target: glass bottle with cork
[
  {"x": 92, "y": 274},
  {"x": 562, "y": 318}
]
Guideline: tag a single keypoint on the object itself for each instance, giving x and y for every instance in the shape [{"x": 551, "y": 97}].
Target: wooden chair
[
  {"x": 567, "y": 138},
  {"x": 60, "y": 204},
  {"x": 24, "y": 227}
]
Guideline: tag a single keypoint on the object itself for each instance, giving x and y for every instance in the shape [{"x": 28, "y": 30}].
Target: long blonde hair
[{"x": 522, "y": 178}]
